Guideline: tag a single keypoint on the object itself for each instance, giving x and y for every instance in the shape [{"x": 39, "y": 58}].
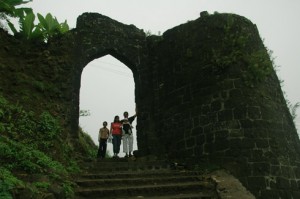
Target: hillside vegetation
[{"x": 36, "y": 160}]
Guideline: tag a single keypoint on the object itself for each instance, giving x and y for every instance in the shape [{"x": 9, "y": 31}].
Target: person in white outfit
[{"x": 127, "y": 134}]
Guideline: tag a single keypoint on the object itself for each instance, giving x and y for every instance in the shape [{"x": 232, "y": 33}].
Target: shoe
[{"x": 130, "y": 155}]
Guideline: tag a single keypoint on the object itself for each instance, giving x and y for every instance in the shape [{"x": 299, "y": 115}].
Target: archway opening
[{"x": 107, "y": 90}]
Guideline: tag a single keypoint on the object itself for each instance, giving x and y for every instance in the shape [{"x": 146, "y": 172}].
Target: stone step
[
  {"x": 204, "y": 188},
  {"x": 137, "y": 181},
  {"x": 108, "y": 165},
  {"x": 173, "y": 196},
  {"x": 140, "y": 174},
  {"x": 181, "y": 196},
  {"x": 118, "y": 168},
  {"x": 123, "y": 178}
]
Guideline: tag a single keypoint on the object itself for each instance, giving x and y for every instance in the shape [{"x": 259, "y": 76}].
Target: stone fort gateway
[{"x": 206, "y": 92}]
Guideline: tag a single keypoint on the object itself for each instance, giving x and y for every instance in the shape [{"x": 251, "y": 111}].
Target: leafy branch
[{"x": 48, "y": 27}]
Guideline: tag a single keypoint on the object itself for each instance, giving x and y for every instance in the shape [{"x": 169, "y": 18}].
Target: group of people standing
[{"x": 119, "y": 130}]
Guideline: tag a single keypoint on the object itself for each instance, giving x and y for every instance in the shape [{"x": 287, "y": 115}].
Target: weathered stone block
[
  {"x": 216, "y": 105},
  {"x": 196, "y": 111},
  {"x": 247, "y": 143},
  {"x": 196, "y": 121},
  {"x": 239, "y": 112},
  {"x": 233, "y": 124},
  {"x": 298, "y": 183},
  {"x": 227, "y": 84},
  {"x": 262, "y": 143},
  {"x": 221, "y": 135},
  {"x": 198, "y": 150},
  {"x": 250, "y": 133},
  {"x": 294, "y": 185},
  {"x": 225, "y": 115},
  {"x": 296, "y": 194},
  {"x": 232, "y": 152},
  {"x": 190, "y": 142},
  {"x": 261, "y": 169},
  {"x": 205, "y": 109},
  {"x": 219, "y": 126},
  {"x": 257, "y": 156},
  {"x": 208, "y": 148},
  {"x": 283, "y": 183},
  {"x": 275, "y": 170},
  {"x": 197, "y": 131},
  {"x": 200, "y": 139},
  {"x": 221, "y": 144},
  {"x": 287, "y": 172},
  {"x": 225, "y": 96},
  {"x": 236, "y": 94},
  {"x": 254, "y": 112},
  {"x": 210, "y": 137},
  {"x": 268, "y": 194},
  {"x": 297, "y": 172},
  {"x": 256, "y": 182},
  {"x": 246, "y": 123},
  {"x": 236, "y": 133},
  {"x": 285, "y": 194},
  {"x": 235, "y": 143}
]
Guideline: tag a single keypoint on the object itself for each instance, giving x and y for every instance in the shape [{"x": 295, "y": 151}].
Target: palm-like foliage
[
  {"x": 46, "y": 28},
  {"x": 28, "y": 30},
  {"x": 8, "y": 6},
  {"x": 50, "y": 26}
]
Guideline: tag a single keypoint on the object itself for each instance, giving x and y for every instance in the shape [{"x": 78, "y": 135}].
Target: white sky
[{"x": 102, "y": 79}]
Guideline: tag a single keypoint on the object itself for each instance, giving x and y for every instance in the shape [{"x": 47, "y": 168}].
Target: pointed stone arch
[{"x": 96, "y": 36}]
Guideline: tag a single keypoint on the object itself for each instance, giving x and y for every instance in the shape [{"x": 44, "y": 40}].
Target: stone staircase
[{"x": 126, "y": 178}]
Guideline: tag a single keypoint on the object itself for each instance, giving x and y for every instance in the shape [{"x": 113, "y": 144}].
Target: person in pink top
[{"x": 116, "y": 131}]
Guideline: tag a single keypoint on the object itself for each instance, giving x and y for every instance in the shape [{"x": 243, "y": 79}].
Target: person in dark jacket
[{"x": 127, "y": 134}]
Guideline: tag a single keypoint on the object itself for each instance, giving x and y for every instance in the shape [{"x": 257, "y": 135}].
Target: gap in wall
[{"x": 107, "y": 89}]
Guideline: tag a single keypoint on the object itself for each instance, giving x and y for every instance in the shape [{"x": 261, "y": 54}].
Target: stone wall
[
  {"x": 213, "y": 105},
  {"x": 205, "y": 91}
]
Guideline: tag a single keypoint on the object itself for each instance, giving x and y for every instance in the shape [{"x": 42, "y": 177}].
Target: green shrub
[
  {"x": 88, "y": 147},
  {"x": 17, "y": 156},
  {"x": 29, "y": 142},
  {"x": 41, "y": 131},
  {"x": 7, "y": 182}
]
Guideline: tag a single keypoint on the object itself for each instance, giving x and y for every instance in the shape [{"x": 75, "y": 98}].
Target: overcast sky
[{"x": 277, "y": 22}]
